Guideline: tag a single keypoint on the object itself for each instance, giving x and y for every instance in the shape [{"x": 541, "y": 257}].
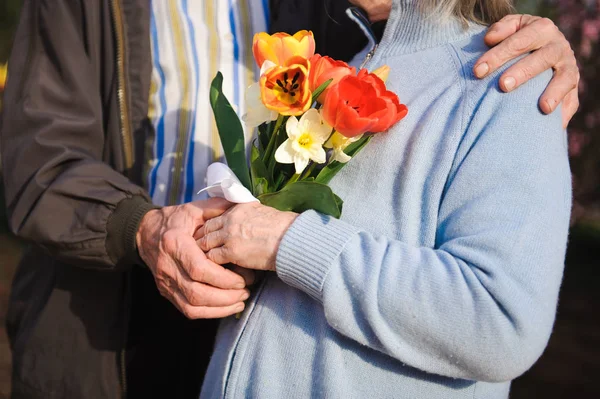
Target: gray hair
[{"x": 485, "y": 12}]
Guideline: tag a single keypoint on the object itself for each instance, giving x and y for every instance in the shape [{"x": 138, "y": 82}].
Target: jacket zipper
[
  {"x": 368, "y": 57},
  {"x": 126, "y": 136},
  {"x": 250, "y": 311},
  {"x": 359, "y": 17}
]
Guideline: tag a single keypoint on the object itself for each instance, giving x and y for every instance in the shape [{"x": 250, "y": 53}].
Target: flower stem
[
  {"x": 293, "y": 179},
  {"x": 309, "y": 170},
  {"x": 269, "y": 152}
]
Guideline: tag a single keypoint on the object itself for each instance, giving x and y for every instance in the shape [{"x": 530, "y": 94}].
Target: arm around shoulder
[{"x": 480, "y": 305}]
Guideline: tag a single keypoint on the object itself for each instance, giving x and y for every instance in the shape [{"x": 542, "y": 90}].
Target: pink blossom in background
[{"x": 579, "y": 20}]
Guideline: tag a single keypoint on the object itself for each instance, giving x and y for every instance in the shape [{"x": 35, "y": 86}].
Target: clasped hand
[
  {"x": 197, "y": 286},
  {"x": 247, "y": 235}
]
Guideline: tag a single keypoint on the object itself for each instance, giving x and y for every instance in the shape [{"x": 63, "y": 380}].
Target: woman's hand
[
  {"x": 515, "y": 35},
  {"x": 247, "y": 235}
]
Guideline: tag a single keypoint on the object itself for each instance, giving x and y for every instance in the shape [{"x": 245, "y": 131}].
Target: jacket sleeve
[
  {"x": 480, "y": 304},
  {"x": 59, "y": 193}
]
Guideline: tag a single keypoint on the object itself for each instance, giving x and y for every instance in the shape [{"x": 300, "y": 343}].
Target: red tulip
[
  {"x": 360, "y": 104},
  {"x": 325, "y": 68}
]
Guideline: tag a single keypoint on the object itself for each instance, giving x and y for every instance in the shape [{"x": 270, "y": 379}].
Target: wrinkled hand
[
  {"x": 515, "y": 35},
  {"x": 198, "y": 287},
  {"x": 247, "y": 235}
]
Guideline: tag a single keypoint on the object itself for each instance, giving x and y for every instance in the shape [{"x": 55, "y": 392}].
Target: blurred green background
[{"x": 570, "y": 365}]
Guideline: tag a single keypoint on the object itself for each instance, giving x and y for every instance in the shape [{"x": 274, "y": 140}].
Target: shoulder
[
  {"x": 507, "y": 124},
  {"x": 466, "y": 53}
]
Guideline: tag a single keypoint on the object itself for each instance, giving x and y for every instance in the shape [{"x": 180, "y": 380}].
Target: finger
[
  {"x": 199, "y": 268},
  {"x": 210, "y": 226},
  {"x": 502, "y": 29},
  {"x": 212, "y": 208},
  {"x": 198, "y": 294},
  {"x": 565, "y": 80},
  {"x": 212, "y": 240},
  {"x": 570, "y": 106},
  {"x": 529, "y": 67},
  {"x": 220, "y": 255},
  {"x": 527, "y": 39},
  {"x": 205, "y": 312},
  {"x": 248, "y": 275}
]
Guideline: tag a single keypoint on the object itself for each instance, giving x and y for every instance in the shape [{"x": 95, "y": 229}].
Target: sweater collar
[{"x": 409, "y": 29}]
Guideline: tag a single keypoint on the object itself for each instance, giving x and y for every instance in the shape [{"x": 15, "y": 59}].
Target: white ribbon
[{"x": 223, "y": 183}]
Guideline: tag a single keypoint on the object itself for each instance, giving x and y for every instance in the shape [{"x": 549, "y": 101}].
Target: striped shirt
[{"x": 191, "y": 41}]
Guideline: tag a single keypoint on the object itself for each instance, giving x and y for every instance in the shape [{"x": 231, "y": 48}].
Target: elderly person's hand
[
  {"x": 247, "y": 235},
  {"x": 511, "y": 37},
  {"x": 198, "y": 287},
  {"x": 515, "y": 35}
]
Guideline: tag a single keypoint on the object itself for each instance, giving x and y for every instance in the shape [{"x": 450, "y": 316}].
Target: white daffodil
[
  {"x": 266, "y": 66},
  {"x": 339, "y": 142},
  {"x": 305, "y": 141},
  {"x": 256, "y": 112}
]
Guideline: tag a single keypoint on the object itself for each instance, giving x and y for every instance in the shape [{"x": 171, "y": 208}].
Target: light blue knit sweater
[{"x": 441, "y": 279}]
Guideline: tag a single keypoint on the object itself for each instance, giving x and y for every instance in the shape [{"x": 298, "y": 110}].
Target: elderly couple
[{"x": 439, "y": 281}]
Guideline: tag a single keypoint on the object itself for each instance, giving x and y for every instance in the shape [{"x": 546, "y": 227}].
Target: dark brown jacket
[{"x": 84, "y": 321}]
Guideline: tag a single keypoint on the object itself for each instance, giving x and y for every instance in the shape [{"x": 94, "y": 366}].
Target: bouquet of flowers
[{"x": 313, "y": 115}]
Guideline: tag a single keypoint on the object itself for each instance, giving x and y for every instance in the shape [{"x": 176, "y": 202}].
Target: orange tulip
[
  {"x": 286, "y": 89},
  {"x": 325, "y": 68},
  {"x": 280, "y": 47},
  {"x": 360, "y": 104}
]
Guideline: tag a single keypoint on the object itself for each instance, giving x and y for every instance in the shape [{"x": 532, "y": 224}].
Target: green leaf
[
  {"x": 261, "y": 186},
  {"x": 230, "y": 131},
  {"x": 264, "y": 133},
  {"x": 329, "y": 171},
  {"x": 260, "y": 176},
  {"x": 277, "y": 139},
  {"x": 320, "y": 89},
  {"x": 339, "y": 202},
  {"x": 302, "y": 196}
]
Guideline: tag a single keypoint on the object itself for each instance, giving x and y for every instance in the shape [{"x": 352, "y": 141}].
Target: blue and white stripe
[{"x": 191, "y": 41}]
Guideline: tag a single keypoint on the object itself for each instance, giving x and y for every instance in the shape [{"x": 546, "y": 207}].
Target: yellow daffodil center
[{"x": 305, "y": 140}]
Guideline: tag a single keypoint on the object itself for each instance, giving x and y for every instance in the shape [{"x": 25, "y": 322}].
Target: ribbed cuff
[
  {"x": 309, "y": 248},
  {"x": 122, "y": 228}
]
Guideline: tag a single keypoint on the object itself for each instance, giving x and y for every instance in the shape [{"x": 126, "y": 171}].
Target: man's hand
[
  {"x": 515, "y": 35},
  {"x": 198, "y": 287},
  {"x": 247, "y": 235}
]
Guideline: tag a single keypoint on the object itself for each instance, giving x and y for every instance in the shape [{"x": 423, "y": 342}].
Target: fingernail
[
  {"x": 240, "y": 286},
  {"x": 482, "y": 69},
  {"x": 551, "y": 104},
  {"x": 240, "y": 307},
  {"x": 509, "y": 83},
  {"x": 245, "y": 295}
]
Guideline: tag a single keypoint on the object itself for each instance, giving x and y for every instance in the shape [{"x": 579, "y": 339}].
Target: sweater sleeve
[{"x": 480, "y": 305}]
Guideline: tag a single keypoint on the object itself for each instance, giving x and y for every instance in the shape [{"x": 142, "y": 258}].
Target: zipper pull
[{"x": 368, "y": 57}]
